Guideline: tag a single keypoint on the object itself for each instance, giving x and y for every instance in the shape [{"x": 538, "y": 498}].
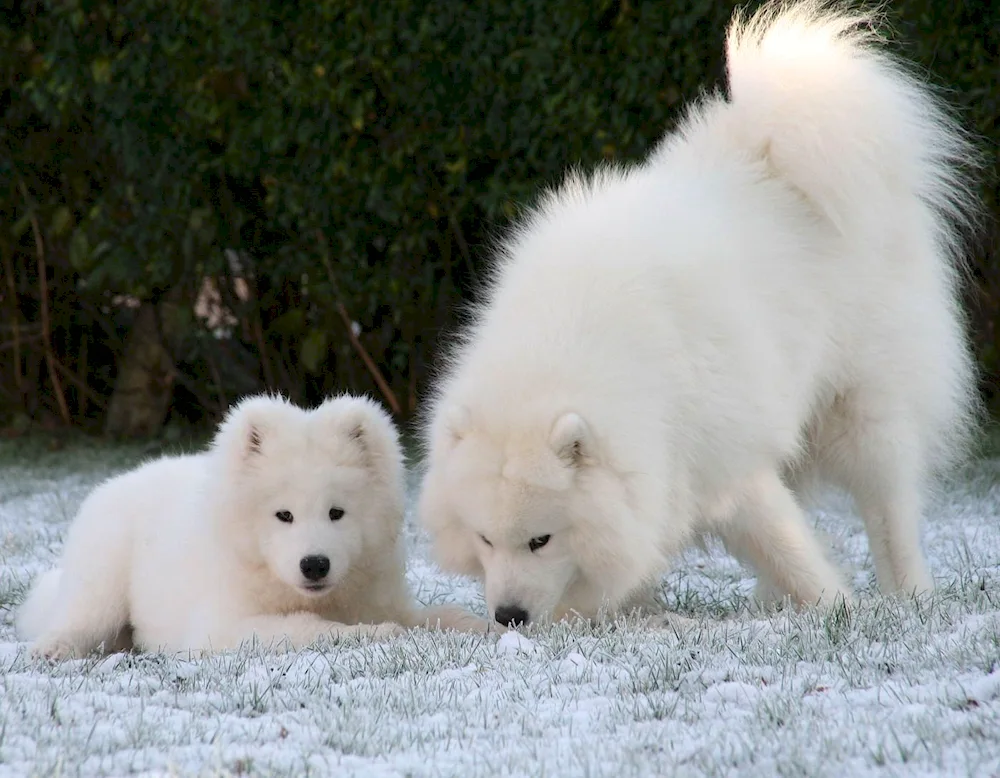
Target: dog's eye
[
  {"x": 483, "y": 538},
  {"x": 536, "y": 543},
  {"x": 285, "y": 516},
  {"x": 336, "y": 514}
]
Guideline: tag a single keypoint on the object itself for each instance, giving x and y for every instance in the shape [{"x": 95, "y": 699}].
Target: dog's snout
[
  {"x": 511, "y": 615},
  {"x": 314, "y": 567}
]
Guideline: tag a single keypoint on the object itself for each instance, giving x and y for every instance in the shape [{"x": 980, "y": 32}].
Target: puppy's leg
[
  {"x": 299, "y": 630},
  {"x": 90, "y": 607},
  {"x": 770, "y": 531},
  {"x": 445, "y": 617},
  {"x": 90, "y": 612}
]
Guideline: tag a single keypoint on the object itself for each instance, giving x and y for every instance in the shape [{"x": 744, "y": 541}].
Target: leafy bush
[{"x": 348, "y": 163}]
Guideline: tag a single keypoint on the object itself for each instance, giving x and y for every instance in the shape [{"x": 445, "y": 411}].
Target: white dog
[
  {"x": 287, "y": 529},
  {"x": 670, "y": 349}
]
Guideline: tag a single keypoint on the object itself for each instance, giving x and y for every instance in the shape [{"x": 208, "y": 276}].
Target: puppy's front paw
[
  {"x": 672, "y": 621},
  {"x": 384, "y": 631},
  {"x": 474, "y": 624},
  {"x": 446, "y": 617}
]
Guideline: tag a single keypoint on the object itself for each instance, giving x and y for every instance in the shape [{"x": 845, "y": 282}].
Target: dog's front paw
[
  {"x": 769, "y": 597},
  {"x": 53, "y": 649}
]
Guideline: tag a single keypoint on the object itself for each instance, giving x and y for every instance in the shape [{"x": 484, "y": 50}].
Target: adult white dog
[
  {"x": 672, "y": 348},
  {"x": 288, "y": 529}
]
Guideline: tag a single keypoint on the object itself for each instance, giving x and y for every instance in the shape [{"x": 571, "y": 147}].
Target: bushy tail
[
  {"x": 816, "y": 96},
  {"x": 36, "y": 611},
  {"x": 814, "y": 90}
]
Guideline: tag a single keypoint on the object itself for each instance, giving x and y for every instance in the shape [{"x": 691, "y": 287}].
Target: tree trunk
[{"x": 145, "y": 383}]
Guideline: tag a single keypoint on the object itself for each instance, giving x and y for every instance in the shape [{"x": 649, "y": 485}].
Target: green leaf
[
  {"x": 19, "y": 227},
  {"x": 314, "y": 350},
  {"x": 62, "y": 221},
  {"x": 79, "y": 251},
  {"x": 100, "y": 69},
  {"x": 291, "y": 322}
]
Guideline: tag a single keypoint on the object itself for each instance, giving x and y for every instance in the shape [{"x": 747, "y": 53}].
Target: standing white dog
[
  {"x": 287, "y": 529},
  {"x": 668, "y": 349}
]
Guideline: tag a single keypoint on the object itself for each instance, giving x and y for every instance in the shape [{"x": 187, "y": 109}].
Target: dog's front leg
[{"x": 770, "y": 531}]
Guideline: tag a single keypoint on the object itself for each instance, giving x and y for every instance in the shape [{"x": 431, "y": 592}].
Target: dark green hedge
[{"x": 355, "y": 157}]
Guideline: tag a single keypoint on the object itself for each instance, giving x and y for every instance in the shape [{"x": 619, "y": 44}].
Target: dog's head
[
  {"x": 539, "y": 515},
  {"x": 310, "y": 493}
]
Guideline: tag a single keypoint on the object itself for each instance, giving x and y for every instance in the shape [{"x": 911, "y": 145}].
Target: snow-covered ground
[{"x": 901, "y": 688}]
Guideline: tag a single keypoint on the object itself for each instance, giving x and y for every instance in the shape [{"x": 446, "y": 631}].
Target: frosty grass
[{"x": 894, "y": 687}]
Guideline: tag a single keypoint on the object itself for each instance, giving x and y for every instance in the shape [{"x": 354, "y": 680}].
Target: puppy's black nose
[
  {"x": 314, "y": 567},
  {"x": 511, "y": 615}
]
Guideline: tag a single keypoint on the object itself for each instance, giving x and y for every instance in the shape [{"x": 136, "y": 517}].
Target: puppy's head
[
  {"x": 311, "y": 492},
  {"x": 537, "y": 514}
]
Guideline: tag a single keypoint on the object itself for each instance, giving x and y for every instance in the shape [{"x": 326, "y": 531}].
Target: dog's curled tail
[
  {"x": 814, "y": 91},
  {"x": 36, "y": 611}
]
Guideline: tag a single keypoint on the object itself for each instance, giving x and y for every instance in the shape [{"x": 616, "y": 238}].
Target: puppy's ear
[
  {"x": 253, "y": 440},
  {"x": 365, "y": 429},
  {"x": 571, "y": 440},
  {"x": 242, "y": 436}
]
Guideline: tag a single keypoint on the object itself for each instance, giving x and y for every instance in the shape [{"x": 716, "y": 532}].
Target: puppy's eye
[
  {"x": 336, "y": 514},
  {"x": 536, "y": 543},
  {"x": 285, "y": 516},
  {"x": 483, "y": 538}
]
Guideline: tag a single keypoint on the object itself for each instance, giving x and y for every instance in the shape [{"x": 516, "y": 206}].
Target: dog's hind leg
[
  {"x": 879, "y": 460},
  {"x": 769, "y": 530},
  {"x": 892, "y": 516}
]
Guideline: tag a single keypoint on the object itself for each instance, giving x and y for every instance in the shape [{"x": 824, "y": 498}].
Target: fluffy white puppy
[
  {"x": 671, "y": 348},
  {"x": 287, "y": 529}
]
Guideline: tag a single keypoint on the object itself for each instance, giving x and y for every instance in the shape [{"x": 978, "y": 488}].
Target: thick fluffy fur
[
  {"x": 673, "y": 348},
  {"x": 187, "y": 552}
]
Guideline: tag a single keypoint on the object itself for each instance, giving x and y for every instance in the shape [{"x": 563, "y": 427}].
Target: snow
[{"x": 891, "y": 687}]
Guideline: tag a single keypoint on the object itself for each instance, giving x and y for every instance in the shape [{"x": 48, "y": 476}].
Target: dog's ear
[{"x": 571, "y": 440}]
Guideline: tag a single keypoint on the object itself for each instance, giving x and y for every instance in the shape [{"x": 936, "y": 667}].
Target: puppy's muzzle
[{"x": 314, "y": 568}]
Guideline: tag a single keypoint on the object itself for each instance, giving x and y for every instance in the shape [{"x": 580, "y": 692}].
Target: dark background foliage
[{"x": 334, "y": 173}]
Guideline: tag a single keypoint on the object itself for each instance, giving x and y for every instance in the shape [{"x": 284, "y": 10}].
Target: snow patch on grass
[{"x": 912, "y": 687}]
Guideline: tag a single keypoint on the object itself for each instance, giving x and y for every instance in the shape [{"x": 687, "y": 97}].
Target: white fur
[
  {"x": 188, "y": 554},
  {"x": 673, "y": 348}
]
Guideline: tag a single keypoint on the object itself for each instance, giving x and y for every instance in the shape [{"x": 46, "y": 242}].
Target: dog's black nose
[
  {"x": 511, "y": 615},
  {"x": 314, "y": 567}
]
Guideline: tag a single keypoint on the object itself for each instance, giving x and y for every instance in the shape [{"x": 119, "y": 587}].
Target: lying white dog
[
  {"x": 287, "y": 529},
  {"x": 670, "y": 349}
]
